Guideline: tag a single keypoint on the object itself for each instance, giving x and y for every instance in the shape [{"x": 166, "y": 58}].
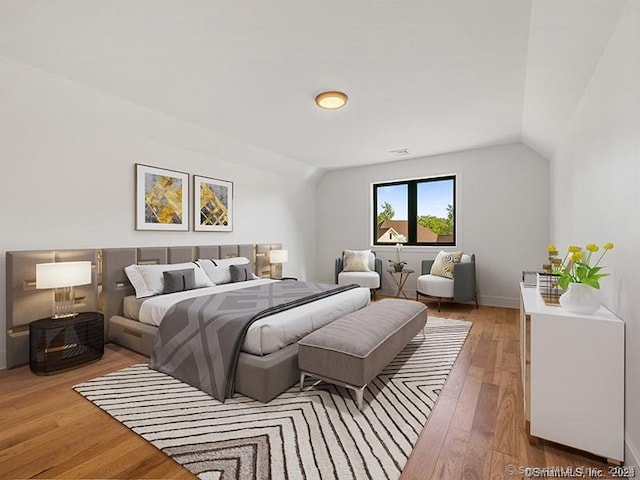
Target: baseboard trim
[
  {"x": 505, "y": 302},
  {"x": 489, "y": 301},
  {"x": 631, "y": 455}
]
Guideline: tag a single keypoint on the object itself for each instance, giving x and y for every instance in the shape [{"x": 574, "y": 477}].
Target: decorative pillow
[
  {"x": 357, "y": 260},
  {"x": 443, "y": 264},
  {"x": 148, "y": 280},
  {"x": 241, "y": 273},
  {"x": 179, "y": 280},
  {"x": 218, "y": 269}
]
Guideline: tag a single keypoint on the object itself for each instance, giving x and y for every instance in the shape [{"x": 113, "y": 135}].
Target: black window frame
[{"x": 412, "y": 211}]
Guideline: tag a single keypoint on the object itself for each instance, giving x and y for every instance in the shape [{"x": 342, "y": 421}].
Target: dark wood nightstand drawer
[{"x": 56, "y": 345}]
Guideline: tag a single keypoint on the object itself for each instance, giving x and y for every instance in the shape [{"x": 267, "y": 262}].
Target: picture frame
[
  {"x": 212, "y": 204},
  {"x": 162, "y": 199}
]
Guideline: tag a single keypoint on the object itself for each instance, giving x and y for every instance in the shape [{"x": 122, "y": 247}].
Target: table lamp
[
  {"x": 278, "y": 257},
  {"x": 62, "y": 277}
]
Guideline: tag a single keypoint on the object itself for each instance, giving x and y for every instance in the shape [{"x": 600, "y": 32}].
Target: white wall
[
  {"x": 566, "y": 40},
  {"x": 502, "y": 214},
  {"x": 68, "y": 152},
  {"x": 595, "y": 185}
]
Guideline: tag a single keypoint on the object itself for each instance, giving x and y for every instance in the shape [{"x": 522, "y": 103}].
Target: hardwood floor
[{"x": 476, "y": 430}]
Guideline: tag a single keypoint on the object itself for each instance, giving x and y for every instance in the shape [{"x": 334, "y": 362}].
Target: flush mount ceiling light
[{"x": 331, "y": 100}]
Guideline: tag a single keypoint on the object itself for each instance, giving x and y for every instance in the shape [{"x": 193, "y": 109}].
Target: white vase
[{"x": 580, "y": 298}]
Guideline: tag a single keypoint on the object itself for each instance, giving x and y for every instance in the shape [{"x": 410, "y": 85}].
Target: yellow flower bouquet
[{"x": 576, "y": 267}]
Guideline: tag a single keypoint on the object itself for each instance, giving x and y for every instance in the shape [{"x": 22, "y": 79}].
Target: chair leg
[{"x": 438, "y": 303}]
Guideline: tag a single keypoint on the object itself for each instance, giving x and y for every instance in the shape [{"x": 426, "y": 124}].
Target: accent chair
[
  {"x": 360, "y": 267},
  {"x": 456, "y": 282}
]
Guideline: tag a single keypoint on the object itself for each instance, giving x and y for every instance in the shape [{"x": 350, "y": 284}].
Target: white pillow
[
  {"x": 443, "y": 264},
  {"x": 135, "y": 277},
  {"x": 358, "y": 261},
  {"x": 148, "y": 280},
  {"x": 218, "y": 269}
]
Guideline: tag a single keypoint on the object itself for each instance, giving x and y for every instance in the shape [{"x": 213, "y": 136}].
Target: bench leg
[
  {"x": 302, "y": 375},
  {"x": 359, "y": 395},
  {"x": 359, "y": 390}
]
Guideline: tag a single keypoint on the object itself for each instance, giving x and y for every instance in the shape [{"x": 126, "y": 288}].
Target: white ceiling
[{"x": 431, "y": 76}]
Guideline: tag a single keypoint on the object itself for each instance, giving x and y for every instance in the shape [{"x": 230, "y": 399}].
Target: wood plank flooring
[{"x": 476, "y": 430}]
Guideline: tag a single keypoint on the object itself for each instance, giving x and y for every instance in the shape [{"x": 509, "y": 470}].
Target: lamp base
[
  {"x": 64, "y": 305},
  {"x": 275, "y": 271}
]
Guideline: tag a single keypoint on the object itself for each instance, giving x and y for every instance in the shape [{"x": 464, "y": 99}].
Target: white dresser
[{"x": 573, "y": 376}]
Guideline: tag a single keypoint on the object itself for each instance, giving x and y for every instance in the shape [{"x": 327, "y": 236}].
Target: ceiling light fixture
[{"x": 331, "y": 100}]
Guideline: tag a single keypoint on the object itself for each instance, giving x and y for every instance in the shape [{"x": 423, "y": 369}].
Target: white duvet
[{"x": 273, "y": 332}]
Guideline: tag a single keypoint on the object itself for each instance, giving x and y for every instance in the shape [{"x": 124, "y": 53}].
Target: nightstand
[{"x": 61, "y": 344}]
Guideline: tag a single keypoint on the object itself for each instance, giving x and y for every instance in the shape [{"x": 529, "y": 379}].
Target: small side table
[
  {"x": 56, "y": 345},
  {"x": 400, "y": 278}
]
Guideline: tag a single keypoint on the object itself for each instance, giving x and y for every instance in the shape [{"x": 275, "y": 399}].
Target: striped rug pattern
[{"x": 316, "y": 434}]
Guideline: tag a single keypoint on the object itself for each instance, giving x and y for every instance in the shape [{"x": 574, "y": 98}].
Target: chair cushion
[
  {"x": 443, "y": 264},
  {"x": 435, "y": 286},
  {"x": 358, "y": 261},
  {"x": 364, "y": 279}
]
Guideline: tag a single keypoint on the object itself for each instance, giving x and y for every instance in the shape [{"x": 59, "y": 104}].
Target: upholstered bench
[{"x": 353, "y": 350}]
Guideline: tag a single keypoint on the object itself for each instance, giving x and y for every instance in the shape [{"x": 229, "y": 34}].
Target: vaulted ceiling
[{"x": 429, "y": 76}]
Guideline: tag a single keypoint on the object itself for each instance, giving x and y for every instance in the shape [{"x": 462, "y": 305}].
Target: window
[{"x": 415, "y": 212}]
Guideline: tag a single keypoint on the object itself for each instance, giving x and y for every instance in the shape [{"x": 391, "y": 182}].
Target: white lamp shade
[
  {"x": 278, "y": 256},
  {"x": 62, "y": 274}
]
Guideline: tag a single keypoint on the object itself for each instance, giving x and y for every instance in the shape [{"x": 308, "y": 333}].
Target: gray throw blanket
[{"x": 199, "y": 339}]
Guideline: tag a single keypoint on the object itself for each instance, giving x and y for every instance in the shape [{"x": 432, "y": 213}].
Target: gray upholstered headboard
[{"x": 109, "y": 284}]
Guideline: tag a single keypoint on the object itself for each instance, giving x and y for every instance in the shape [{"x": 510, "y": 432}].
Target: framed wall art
[
  {"x": 212, "y": 204},
  {"x": 162, "y": 199}
]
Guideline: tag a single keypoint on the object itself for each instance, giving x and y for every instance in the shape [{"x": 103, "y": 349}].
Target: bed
[
  {"x": 264, "y": 336},
  {"x": 266, "y": 367},
  {"x": 267, "y": 364}
]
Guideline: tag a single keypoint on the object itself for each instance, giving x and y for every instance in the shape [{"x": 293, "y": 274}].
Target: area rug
[{"x": 315, "y": 434}]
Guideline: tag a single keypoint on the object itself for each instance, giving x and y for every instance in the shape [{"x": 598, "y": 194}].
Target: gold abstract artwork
[
  {"x": 163, "y": 199},
  {"x": 214, "y": 205}
]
